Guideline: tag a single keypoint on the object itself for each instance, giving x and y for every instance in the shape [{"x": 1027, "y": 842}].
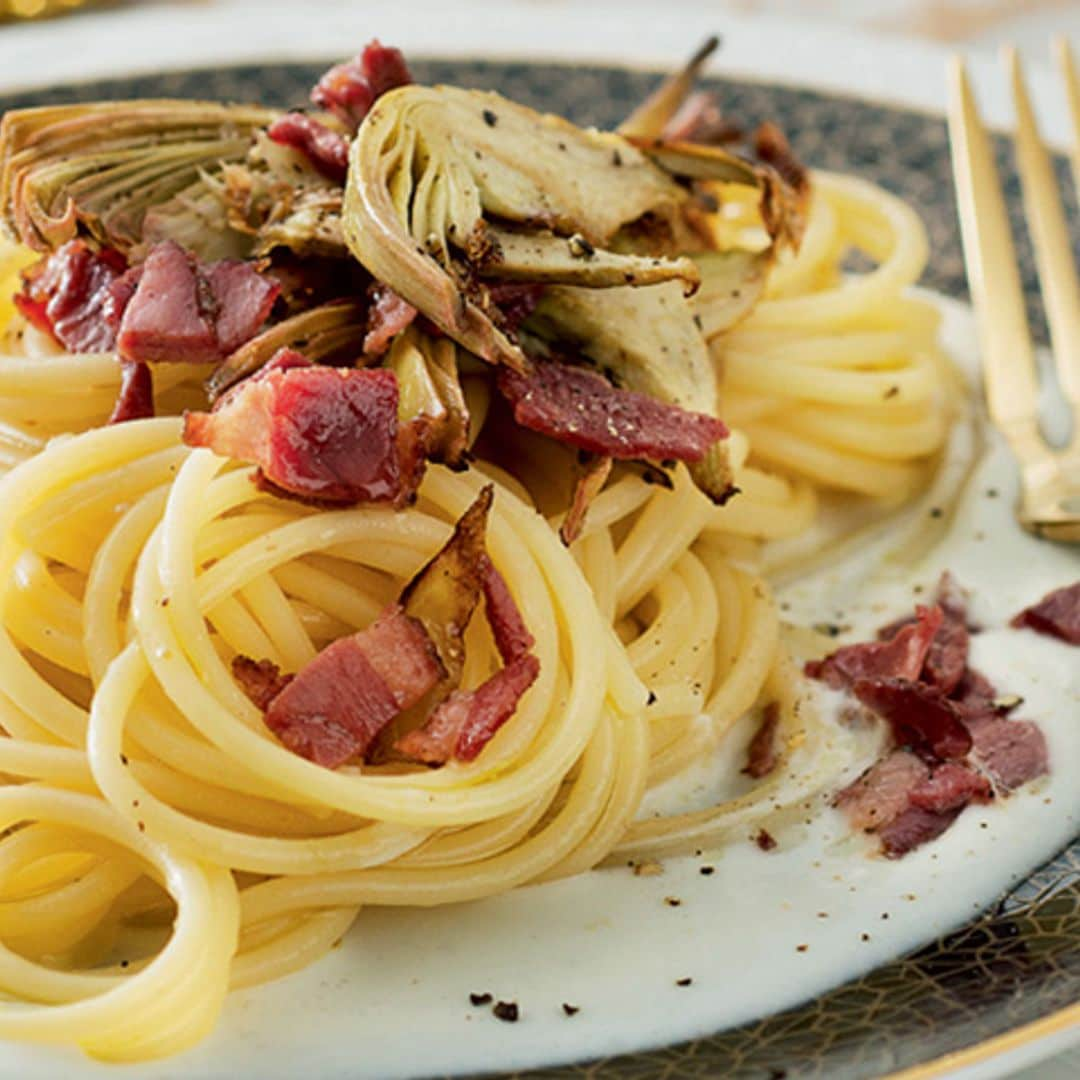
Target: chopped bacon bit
[
  {"x": 902, "y": 656},
  {"x": 387, "y": 316},
  {"x": 512, "y": 637},
  {"x": 974, "y": 693},
  {"x": 1057, "y": 614},
  {"x": 69, "y": 295},
  {"x": 169, "y": 317},
  {"x": 261, "y": 680},
  {"x": 243, "y": 299},
  {"x": 965, "y": 747},
  {"x": 765, "y": 840},
  {"x": 582, "y": 409},
  {"x": 883, "y": 792},
  {"x": 515, "y": 301},
  {"x": 316, "y": 433},
  {"x": 350, "y": 89},
  {"x": 336, "y": 706},
  {"x": 1010, "y": 751},
  {"x": 325, "y": 149},
  {"x": 179, "y": 310},
  {"x": 920, "y": 716},
  {"x": 136, "y": 400},
  {"x": 761, "y": 754},
  {"x": 467, "y": 721},
  {"x": 912, "y": 829},
  {"x": 950, "y": 786}
]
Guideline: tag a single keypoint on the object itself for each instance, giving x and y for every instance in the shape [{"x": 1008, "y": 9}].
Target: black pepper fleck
[
  {"x": 651, "y": 700},
  {"x": 705, "y": 871},
  {"x": 490, "y": 118},
  {"x": 684, "y": 982},
  {"x": 672, "y": 901},
  {"x": 480, "y": 999},
  {"x": 570, "y": 1010}
]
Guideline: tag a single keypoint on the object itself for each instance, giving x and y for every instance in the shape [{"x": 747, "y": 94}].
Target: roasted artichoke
[{"x": 97, "y": 169}]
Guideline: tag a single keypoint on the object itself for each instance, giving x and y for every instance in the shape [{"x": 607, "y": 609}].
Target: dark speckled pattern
[{"x": 1016, "y": 964}]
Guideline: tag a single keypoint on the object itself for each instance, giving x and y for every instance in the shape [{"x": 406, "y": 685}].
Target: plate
[{"x": 987, "y": 994}]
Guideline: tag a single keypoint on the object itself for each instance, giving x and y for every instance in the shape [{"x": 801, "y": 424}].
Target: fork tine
[
  {"x": 1072, "y": 96},
  {"x": 1008, "y": 357},
  {"x": 1050, "y": 237}
]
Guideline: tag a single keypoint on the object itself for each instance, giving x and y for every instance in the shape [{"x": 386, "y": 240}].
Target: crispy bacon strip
[
  {"x": 350, "y": 89},
  {"x": 325, "y": 149},
  {"x": 318, "y": 433},
  {"x": 1056, "y": 614},
  {"x": 761, "y": 754},
  {"x": 335, "y": 708},
  {"x": 902, "y": 656},
  {"x": 136, "y": 400},
  {"x": 582, "y": 409},
  {"x": 72, "y": 295},
  {"x": 387, "y": 316}
]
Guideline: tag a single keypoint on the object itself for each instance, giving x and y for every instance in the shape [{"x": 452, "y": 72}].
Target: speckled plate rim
[{"x": 754, "y": 54}]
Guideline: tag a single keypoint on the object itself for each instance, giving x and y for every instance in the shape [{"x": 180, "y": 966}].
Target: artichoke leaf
[
  {"x": 432, "y": 168},
  {"x": 430, "y": 388},
  {"x": 197, "y": 218},
  {"x": 99, "y": 168},
  {"x": 318, "y": 333},
  {"x": 651, "y": 116},
  {"x": 732, "y": 283},
  {"x": 546, "y": 258}
]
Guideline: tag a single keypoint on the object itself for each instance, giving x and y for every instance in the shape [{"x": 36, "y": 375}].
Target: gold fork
[{"x": 1050, "y": 479}]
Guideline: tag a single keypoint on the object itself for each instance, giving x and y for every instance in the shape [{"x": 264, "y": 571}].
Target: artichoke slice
[
  {"x": 98, "y": 169},
  {"x": 433, "y": 169},
  {"x": 430, "y": 388},
  {"x": 732, "y": 282},
  {"x": 650, "y": 117},
  {"x": 549, "y": 259}
]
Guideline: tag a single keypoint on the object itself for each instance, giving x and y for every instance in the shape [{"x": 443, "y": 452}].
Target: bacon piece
[
  {"x": 243, "y": 299},
  {"x": 974, "y": 694},
  {"x": 515, "y": 300},
  {"x": 950, "y": 786},
  {"x": 315, "y": 432},
  {"x": 920, "y": 716},
  {"x": 325, "y": 149},
  {"x": 350, "y": 89},
  {"x": 913, "y": 828},
  {"x": 388, "y": 315},
  {"x": 1010, "y": 751},
  {"x": 761, "y": 754},
  {"x": 337, "y": 704},
  {"x": 463, "y": 724},
  {"x": 883, "y": 791},
  {"x": 582, "y": 409},
  {"x": 902, "y": 656},
  {"x": 261, "y": 680},
  {"x": 69, "y": 295},
  {"x": 467, "y": 721},
  {"x": 175, "y": 309},
  {"x": 168, "y": 317},
  {"x": 136, "y": 399},
  {"x": 1057, "y": 614},
  {"x": 512, "y": 637}
]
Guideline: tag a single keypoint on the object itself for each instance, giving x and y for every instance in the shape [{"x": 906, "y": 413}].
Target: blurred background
[{"x": 1027, "y": 23}]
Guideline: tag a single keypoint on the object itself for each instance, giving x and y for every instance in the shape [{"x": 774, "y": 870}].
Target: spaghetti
[{"x": 162, "y": 847}]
